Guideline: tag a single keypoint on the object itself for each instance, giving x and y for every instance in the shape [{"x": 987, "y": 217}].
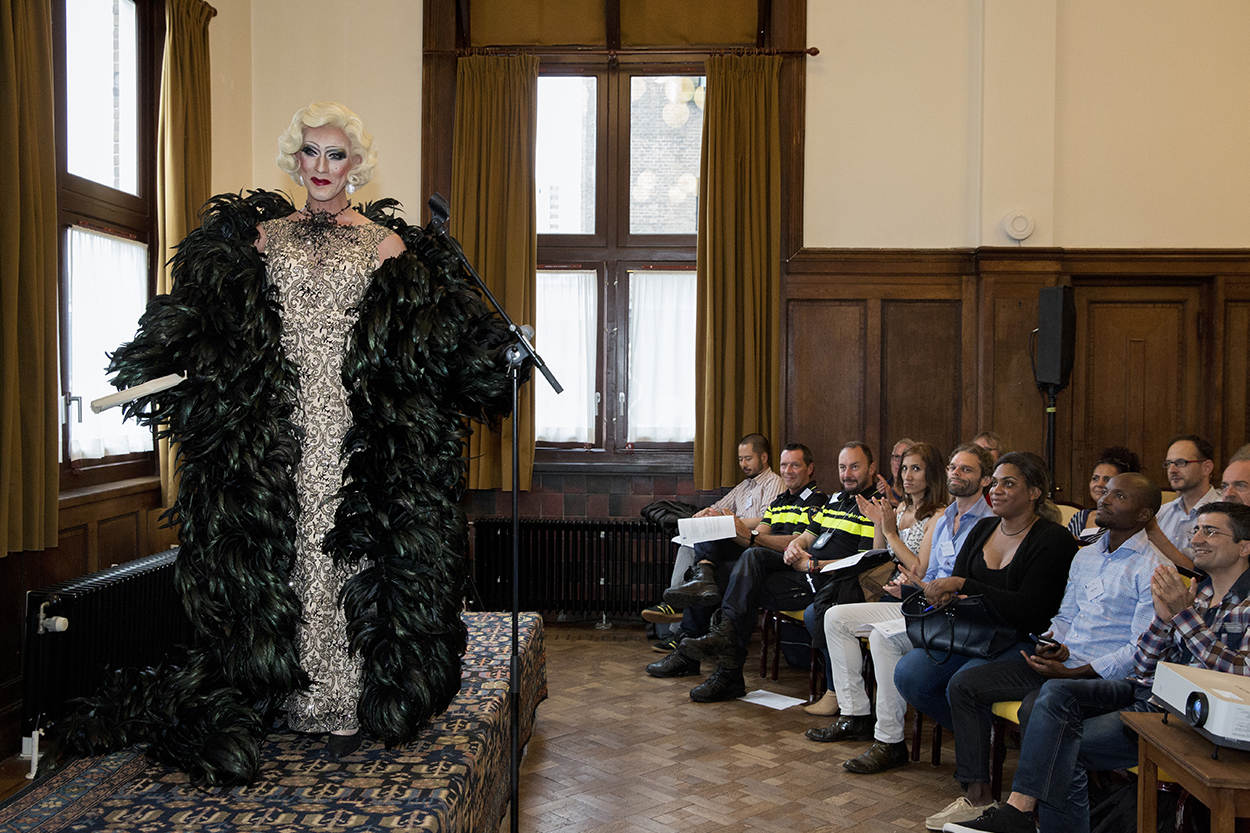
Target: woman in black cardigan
[{"x": 1017, "y": 560}]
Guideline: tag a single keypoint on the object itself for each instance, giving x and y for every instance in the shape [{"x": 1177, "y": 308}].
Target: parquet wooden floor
[{"x": 616, "y": 751}]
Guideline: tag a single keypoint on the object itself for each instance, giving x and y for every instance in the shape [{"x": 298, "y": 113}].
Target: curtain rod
[{"x": 612, "y": 54}]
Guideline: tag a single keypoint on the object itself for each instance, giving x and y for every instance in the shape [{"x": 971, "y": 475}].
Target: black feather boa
[{"x": 424, "y": 354}]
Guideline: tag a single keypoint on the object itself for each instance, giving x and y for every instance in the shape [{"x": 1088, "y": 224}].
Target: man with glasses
[
  {"x": 1187, "y": 467},
  {"x": 1074, "y": 725},
  {"x": 1235, "y": 484}
]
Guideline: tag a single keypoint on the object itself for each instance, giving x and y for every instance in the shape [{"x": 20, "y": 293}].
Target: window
[
  {"x": 107, "y": 67},
  {"x": 617, "y": 169}
]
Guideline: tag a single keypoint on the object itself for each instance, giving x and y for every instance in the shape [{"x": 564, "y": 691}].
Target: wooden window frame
[{"x": 89, "y": 204}]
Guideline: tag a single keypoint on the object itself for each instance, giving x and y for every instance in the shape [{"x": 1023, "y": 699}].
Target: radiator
[
  {"x": 599, "y": 567},
  {"x": 129, "y": 615}
]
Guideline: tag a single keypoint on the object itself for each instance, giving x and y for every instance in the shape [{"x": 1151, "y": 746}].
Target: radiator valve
[{"x": 51, "y": 624}]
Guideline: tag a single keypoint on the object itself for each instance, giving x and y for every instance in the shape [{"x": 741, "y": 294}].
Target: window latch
[
  {"x": 598, "y": 397},
  {"x": 70, "y": 402},
  {"x": 621, "y": 398}
]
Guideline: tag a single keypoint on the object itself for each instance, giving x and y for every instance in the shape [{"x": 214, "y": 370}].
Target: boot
[
  {"x": 719, "y": 645},
  {"x": 674, "y": 665},
  {"x": 701, "y": 589},
  {"x": 725, "y": 683}
]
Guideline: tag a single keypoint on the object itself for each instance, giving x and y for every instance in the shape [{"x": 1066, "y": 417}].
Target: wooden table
[{"x": 1223, "y": 785}]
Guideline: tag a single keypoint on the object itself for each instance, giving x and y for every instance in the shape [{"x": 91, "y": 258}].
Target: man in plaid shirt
[{"x": 1075, "y": 726}]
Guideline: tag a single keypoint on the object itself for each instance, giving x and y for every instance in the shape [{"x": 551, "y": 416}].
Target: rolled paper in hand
[{"x": 146, "y": 389}]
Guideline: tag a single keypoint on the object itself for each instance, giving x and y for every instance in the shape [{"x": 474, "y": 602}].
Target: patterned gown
[{"x": 321, "y": 272}]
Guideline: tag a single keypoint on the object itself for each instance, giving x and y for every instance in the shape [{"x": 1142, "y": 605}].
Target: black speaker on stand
[{"x": 1052, "y": 359}]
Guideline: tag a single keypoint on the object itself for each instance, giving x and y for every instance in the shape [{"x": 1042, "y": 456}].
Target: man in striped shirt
[
  {"x": 784, "y": 581},
  {"x": 1205, "y": 625}
]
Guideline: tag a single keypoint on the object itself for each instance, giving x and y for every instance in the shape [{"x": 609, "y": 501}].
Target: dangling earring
[
  {"x": 351, "y": 189},
  {"x": 301, "y": 181}
]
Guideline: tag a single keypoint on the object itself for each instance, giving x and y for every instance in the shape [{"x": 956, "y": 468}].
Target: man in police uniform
[
  {"x": 789, "y": 514},
  {"x": 784, "y": 581}
]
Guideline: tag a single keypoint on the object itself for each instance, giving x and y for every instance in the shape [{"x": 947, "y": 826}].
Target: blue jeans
[
  {"x": 922, "y": 682},
  {"x": 816, "y": 627},
  {"x": 1074, "y": 726}
]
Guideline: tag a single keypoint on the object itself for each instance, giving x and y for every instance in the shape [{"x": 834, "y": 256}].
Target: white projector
[{"x": 1215, "y": 703}]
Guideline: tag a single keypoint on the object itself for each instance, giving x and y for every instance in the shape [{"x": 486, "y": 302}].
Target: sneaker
[
  {"x": 826, "y": 706},
  {"x": 723, "y": 684},
  {"x": 997, "y": 818},
  {"x": 661, "y": 614},
  {"x": 665, "y": 646},
  {"x": 959, "y": 810}
]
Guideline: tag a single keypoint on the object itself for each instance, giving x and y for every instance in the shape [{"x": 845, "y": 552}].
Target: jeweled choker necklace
[{"x": 324, "y": 218}]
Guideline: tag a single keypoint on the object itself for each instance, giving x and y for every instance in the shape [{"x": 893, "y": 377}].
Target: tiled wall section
[{"x": 588, "y": 496}]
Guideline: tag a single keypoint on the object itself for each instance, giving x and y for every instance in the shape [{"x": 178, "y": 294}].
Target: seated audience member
[
  {"x": 1074, "y": 725},
  {"x": 1188, "y": 467},
  {"x": 1106, "y": 607},
  {"x": 904, "y": 531},
  {"x": 991, "y": 442},
  {"x": 789, "y": 514},
  {"x": 1017, "y": 560},
  {"x": 1112, "y": 461},
  {"x": 746, "y": 502},
  {"x": 789, "y": 581},
  {"x": 967, "y": 473},
  {"x": 1235, "y": 484},
  {"x": 890, "y": 486}
]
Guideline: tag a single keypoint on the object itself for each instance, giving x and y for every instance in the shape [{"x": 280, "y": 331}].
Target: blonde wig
[{"x": 318, "y": 114}]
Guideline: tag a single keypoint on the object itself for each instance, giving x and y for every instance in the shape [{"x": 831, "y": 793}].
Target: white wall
[
  {"x": 1109, "y": 122},
  {"x": 365, "y": 55}
]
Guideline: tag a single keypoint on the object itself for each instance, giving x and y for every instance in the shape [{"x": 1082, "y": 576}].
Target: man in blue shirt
[
  {"x": 1105, "y": 608},
  {"x": 967, "y": 473}
]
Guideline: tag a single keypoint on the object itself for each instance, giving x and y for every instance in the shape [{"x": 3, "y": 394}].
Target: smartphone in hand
[{"x": 1043, "y": 642}]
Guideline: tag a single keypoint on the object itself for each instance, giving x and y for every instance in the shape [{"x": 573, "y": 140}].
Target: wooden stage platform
[{"x": 454, "y": 777}]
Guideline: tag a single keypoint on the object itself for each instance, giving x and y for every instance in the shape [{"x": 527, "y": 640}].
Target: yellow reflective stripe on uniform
[
  {"x": 786, "y": 515},
  {"x": 845, "y": 521}
]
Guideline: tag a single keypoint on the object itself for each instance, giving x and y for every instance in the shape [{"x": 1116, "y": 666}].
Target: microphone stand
[{"x": 516, "y": 354}]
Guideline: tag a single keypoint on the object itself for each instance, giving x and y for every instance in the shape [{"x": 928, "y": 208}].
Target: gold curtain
[
  {"x": 184, "y": 155},
  {"x": 737, "y": 349},
  {"x": 493, "y": 217},
  {"x": 29, "y": 421}
]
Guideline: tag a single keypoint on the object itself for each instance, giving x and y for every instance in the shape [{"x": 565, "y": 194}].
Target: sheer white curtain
[
  {"x": 565, "y": 335},
  {"x": 108, "y": 288},
  {"x": 661, "y": 356}
]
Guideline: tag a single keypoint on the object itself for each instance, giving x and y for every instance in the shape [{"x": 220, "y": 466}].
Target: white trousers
[{"x": 841, "y": 622}]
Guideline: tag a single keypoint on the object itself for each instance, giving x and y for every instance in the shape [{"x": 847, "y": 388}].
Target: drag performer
[{"x": 332, "y": 356}]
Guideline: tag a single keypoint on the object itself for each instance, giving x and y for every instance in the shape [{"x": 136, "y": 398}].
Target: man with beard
[
  {"x": 746, "y": 502},
  {"x": 967, "y": 474},
  {"x": 783, "y": 581}
]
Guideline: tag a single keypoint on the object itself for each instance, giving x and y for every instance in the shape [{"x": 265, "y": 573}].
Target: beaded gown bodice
[{"x": 320, "y": 272}]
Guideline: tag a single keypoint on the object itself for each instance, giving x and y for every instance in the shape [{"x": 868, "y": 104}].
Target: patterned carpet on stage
[{"x": 453, "y": 778}]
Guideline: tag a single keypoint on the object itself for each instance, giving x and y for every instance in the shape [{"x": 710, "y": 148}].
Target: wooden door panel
[
  {"x": 1236, "y": 379},
  {"x": 825, "y": 379},
  {"x": 1136, "y": 380}
]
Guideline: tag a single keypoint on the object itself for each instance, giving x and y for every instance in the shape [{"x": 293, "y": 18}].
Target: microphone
[{"x": 439, "y": 212}]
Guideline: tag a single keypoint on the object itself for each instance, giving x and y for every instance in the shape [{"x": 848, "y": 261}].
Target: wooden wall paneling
[
  {"x": 121, "y": 538},
  {"x": 1136, "y": 382},
  {"x": 1236, "y": 398},
  {"x": 922, "y": 351},
  {"x": 12, "y": 606},
  {"x": 969, "y": 359},
  {"x": 825, "y": 377}
]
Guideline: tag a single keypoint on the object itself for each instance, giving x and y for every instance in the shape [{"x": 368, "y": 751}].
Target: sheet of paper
[
  {"x": 691, "y": 531},
  {"x": 849, "y": 561},
  {"x": 771, "y": 699}
]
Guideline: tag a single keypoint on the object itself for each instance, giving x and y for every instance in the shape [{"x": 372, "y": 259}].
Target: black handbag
[{"x": 967, "y": 626}]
